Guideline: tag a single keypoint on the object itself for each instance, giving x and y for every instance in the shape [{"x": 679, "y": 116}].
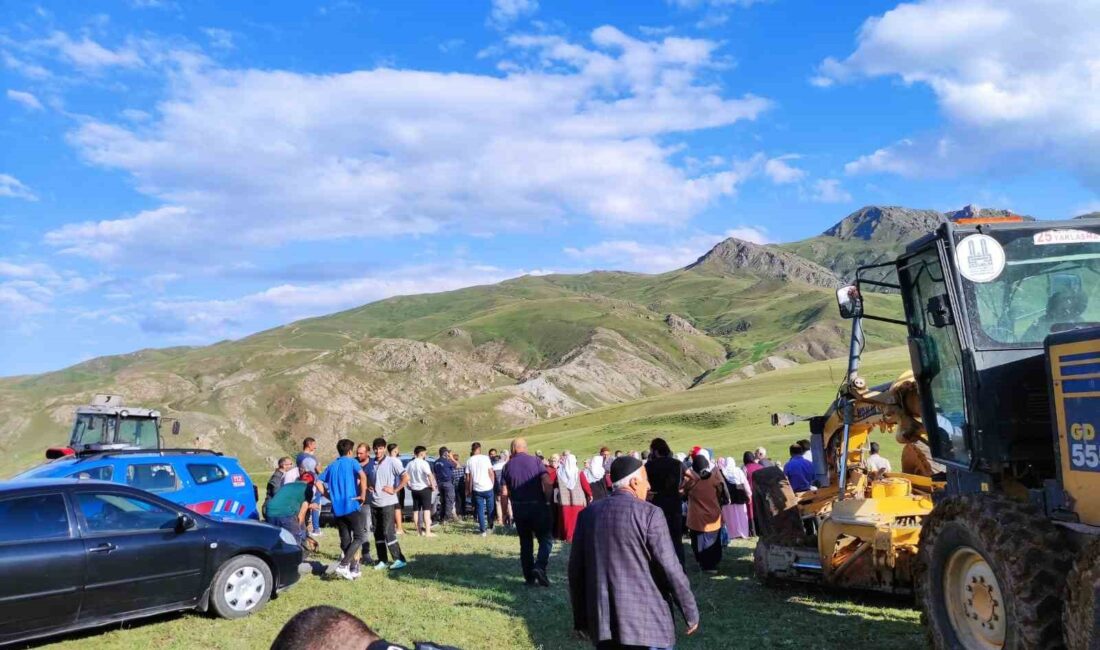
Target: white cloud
[
  {"x": 828, "y": 190},
  {"x": 1014, "y": 79},
  {"x": 152, "y": 231},
  {"x": 221, "y": 39},
  {"x": 88, "y": 54},
  {"x": 260, "y": 157},
  {"x": 782, "y": 173},
  {"x": 12, "y": 188},
  {"x": 27, "y": 69},
  {"x": 24, "y": 99},
  {"x": 631, "y": 255},
  {"x": 233, "y": 317},
  {"x": 28, "y": 289},
  {"x": 505, "y": 12}
]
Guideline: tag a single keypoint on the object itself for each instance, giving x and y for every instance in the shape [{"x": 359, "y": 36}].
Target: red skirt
[{"x": 567, "y": 522}]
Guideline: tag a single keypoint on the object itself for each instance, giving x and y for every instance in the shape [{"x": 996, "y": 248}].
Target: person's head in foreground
[
  {"x": 324, "y": 627},
  {"x": 761, "y": 453},
  {"x": 628, "y": 473},
  {"x": 748, "y": 457},
  {"x": 874, "y": 448},
  {"x": 379, "y": 447},
  {"x": 796, "y": 450}
]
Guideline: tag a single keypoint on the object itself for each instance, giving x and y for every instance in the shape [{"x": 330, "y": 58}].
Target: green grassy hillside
[{"x": 730, "y": 418}]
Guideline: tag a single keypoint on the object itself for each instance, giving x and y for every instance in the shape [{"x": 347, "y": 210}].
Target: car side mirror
[
  {"x": 849, "y": 302},
  {"x": 939, "y": 310},
  {"x": 184, "y": 523},
  {"x": 176, "y": 428}
]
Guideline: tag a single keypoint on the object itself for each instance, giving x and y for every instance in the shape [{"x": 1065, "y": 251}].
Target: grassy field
[
  {"x": 730, "y": 418},
  {"x": 464, "y": 590}
]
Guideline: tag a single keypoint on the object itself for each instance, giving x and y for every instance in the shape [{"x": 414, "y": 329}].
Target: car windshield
[{"x": 1047, "y": 283}]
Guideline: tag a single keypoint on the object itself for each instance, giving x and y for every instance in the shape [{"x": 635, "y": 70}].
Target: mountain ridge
[{"x": 482, "y": 360}]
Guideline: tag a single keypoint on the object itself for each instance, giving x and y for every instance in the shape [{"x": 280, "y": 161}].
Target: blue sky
[{"x": 177, "y": 173}]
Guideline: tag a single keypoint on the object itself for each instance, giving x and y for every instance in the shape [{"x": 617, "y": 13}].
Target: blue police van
[{"x": 203, "y": 481}]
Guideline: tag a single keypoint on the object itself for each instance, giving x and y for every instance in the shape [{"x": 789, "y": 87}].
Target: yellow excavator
[{"x": 1001, "y": 544}]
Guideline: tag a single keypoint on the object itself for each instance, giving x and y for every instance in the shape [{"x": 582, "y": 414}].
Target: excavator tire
[
  {"x": 991, "y": 574},
  {"x": 1081, "y": 618}
]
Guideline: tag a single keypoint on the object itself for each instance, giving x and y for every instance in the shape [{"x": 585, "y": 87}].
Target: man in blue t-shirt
[
  {"x": 799, "y": 471},
  {"x": 346, "y": 484}
]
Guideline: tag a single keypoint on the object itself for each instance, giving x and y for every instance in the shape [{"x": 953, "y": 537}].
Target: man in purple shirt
[{"x": 527, "y": 485}]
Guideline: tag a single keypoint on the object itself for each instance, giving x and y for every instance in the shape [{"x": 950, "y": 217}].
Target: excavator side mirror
[{"x": 849, "y": 301}]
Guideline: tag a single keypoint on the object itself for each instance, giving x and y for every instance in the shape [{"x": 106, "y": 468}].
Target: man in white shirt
[
  {"x": 422, "y": 485},
  {"x": 480, "y": 479},
  {"x": 809, "y": 453},
  {"x": 877, "y": 466}
]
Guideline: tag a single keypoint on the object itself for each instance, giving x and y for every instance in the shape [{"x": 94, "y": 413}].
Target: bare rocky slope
[{"x": 482, "y": 360}]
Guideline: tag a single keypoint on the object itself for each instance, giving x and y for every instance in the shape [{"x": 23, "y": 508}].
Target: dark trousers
[
  {"x": 670, "y": 508},
  {"x": 532, "y": 519},
  {"x": 446, "y": 502},
  {"x": 352, "y": 536},
  {"x": 385, "y": 533},
  {"x": 708, "y": 558}
]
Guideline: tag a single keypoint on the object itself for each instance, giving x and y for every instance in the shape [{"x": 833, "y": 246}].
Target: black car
[{"x": 76, "y": 554}]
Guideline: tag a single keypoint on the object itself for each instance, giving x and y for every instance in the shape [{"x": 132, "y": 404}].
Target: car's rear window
[
  {"x": 34, "y": 518},
  {"x": 204, "y": 473},
  {"x": 155, "y": 477},
  {"x": 103, "y": 473}
]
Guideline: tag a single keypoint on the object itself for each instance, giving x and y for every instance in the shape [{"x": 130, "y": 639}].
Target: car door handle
[{"x": 103, "y": 548}]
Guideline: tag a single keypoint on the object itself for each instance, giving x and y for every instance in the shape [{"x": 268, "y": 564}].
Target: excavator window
[
  {"x": 1046, "y": 286},
  {"x": 941, "y": 378}
]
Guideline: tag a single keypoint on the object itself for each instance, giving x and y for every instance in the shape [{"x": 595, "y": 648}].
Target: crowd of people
[{"x": 625, "y": 513}]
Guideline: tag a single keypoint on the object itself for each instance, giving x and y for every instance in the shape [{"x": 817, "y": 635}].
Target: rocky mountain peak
[
  {"x": 736, "y": 256},
  {"x": 885, "y": 224},
  {"x": 974, "y": 212}
]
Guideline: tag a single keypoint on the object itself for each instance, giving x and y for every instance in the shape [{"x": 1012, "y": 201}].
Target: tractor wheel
[
  {"x": 1080, "y": 617},
  {"x": 991, "y": 574}
]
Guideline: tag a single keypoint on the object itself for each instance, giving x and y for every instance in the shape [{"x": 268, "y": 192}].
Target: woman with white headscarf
[
  {"x": 594, "y": 474},
  {"x": 574, "y": 494},
  {"x": 736, "y": 514}
]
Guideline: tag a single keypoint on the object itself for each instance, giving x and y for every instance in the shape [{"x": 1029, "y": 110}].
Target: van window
[
  {"x": 39, "y": 517},
  {"x": 204, "y": 473},
  {"x": 103, "y": 473},
  {"x": 155, "y": 477}
]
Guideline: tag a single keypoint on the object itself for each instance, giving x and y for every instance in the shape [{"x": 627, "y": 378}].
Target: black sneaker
[{"x": 542, "y": 578}]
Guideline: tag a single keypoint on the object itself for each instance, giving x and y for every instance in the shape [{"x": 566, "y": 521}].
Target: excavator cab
[{"x": 1003, "y": 318}]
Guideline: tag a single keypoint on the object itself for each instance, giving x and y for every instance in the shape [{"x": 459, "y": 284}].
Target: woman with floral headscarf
[
  {"x": 574, "y": 493},
  {"x": 735, "y": 515}
]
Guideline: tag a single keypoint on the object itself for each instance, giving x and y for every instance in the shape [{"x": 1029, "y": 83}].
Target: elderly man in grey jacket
[{"x": 623, "y": 573}]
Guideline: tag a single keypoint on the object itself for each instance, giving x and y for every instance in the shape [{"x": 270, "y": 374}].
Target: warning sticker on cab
[
  {"x": 1067, "y": 236},
  {"x": 238, "y": 480}
]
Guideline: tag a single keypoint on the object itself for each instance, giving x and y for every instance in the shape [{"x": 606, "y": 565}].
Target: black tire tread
[
  {"x": 1028, "y": 554},
  {"x": 1078, "y": 617}
]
